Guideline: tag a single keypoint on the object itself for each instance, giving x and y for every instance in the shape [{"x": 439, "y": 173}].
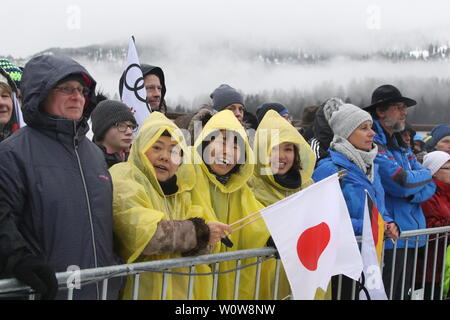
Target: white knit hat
[
  {"x": 345, "y": 118},
  {"x": 435, "y": 160}
]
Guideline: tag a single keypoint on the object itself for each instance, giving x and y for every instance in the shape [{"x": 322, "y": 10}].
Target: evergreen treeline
[{"x": 432, "y": 96}]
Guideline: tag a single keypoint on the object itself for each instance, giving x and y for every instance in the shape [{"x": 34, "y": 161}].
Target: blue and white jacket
[{"x": 405, "y": 181}]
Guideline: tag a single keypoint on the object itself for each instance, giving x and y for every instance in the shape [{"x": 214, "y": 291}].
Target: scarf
[
  {"x": 223, "y": 179},
  {"x": 363, "y": 159},
  {"x": 291, "y": 180},
  {"x": 169, "y": 186}
]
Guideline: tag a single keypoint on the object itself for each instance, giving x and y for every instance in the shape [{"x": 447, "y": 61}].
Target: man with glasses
[
  {"x": 113, "y": 125},
  {"x": 55, "y": 188},
  {"x": 406, "y": 184}
]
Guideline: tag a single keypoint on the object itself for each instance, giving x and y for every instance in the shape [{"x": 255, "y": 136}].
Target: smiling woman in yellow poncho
[
  {"x": 272, "y": 132},
  {"x": 153, "y": 215},
  {"x": 229, "y": 199},
  {"x": 275, "y": 138}
]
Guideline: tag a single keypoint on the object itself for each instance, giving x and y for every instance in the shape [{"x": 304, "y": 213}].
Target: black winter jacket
[
  {"x": 112, "y": 158},
  {"x": 323, "y": 135},
  {"x": 55, "y": 189}
]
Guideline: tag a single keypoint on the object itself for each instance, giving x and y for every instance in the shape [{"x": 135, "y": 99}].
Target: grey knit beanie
[
  {"x": 106, "y": 114},
  {"x": 344, "y": 118},
  {"x": 224, "y": 95}
]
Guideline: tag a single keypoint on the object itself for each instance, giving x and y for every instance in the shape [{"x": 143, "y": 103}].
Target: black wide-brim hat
[{"x": 388, "y": 94}]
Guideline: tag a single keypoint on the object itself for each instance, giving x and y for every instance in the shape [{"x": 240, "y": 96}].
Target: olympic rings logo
[{"x": 138, "y": 85}]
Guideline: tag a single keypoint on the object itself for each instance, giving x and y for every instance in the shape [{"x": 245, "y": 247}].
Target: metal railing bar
[
  {"x": 444, "y": 259},
  {"x": 258, "y": 278},
  {"x": 105, "y": 289},
  {"x": 277, "y": 279},
  {"x": 136, "y": 280},
  {"x": 405, "y": 260},
  {"x": 237, "y": 280}
]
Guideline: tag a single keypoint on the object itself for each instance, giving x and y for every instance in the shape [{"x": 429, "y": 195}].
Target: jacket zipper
[{"x": 75, "y": 144}]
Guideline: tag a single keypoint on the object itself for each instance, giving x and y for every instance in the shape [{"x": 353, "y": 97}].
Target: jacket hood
[
  {"x": 343, "y": 162},
  {"x": 41, "y": 74},
  {"x": 149, "y": 69},
  {"x": 225, "y": 120},
  {"x": 275, "y": 130},
  {"x": 152, "y": 128},
  {"x": 321, "y": 128},
  {"x": 340, "y": 161}
]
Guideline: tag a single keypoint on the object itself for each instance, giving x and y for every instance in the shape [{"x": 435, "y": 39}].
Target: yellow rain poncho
[
  {"x": 139, "y": 204},
  {"x": 229, "y": 203},
  {"x": 272, "y": 131}
]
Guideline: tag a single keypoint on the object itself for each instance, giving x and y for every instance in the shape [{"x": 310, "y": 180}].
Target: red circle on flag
[{"x": 311, "y": 244}]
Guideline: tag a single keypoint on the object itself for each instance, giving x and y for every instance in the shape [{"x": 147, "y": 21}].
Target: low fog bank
[{"x": 190, "y": 78}]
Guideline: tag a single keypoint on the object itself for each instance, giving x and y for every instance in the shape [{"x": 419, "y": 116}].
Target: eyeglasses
[
  {"x": 122, "y": 127},
  {"x": 68, "y": 90}
]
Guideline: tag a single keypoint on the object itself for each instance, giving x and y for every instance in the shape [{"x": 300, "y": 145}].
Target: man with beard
[{"x": 406, "y": 183}]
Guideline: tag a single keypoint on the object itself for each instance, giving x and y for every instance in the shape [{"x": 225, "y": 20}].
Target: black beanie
[
  {"x": 262, "y": 109},
  {"x": 106, "y": 114}
]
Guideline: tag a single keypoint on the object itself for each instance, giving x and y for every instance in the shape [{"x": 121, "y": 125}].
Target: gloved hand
[
  {"x": 39, "y": 276},
  {"x": 271, "y": 243}
]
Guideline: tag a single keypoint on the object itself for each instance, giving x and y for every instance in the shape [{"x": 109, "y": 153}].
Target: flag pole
[
  {"x": 243, "y": 219},
  {"x": 251, "y": 221},
  {"x": 341, "y": 174}
]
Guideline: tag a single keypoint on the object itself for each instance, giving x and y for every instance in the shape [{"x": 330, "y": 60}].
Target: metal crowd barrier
[
  {"x": 424, "y": 240},
  {"x": 10, "y": 288}
]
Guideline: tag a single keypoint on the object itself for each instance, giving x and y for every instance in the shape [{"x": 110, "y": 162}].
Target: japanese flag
[{"x": 314, "y": 236}]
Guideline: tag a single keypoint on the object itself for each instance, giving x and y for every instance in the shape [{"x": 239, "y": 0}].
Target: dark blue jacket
[
  {"x": 353, "y": 187},
  {"x": 55, "y": 188},
  {"x": 405, "y": 181}
]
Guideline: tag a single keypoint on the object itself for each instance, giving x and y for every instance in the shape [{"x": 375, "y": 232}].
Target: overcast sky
[{"x": 362, "y": 25}]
